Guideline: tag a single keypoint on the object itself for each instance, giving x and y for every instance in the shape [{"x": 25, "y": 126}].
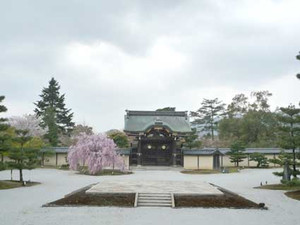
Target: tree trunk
[
  {"x": 21, "y": 176},
  {"x": 294, "y": 163}
]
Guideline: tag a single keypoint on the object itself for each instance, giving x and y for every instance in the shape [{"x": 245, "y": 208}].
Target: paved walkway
[{"x": 146, "y": 186}]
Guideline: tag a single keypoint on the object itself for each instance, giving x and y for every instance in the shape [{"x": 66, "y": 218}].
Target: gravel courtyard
[{"x": 23, "y": 205}]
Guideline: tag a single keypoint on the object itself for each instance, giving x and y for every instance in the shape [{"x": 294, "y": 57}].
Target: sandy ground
[
  {"x": 149, "y": 186},
  {"x": 23, "y": 205}
]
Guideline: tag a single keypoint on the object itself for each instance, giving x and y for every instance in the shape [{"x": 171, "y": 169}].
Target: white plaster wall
[
  {"x": 226, "y": 161},
  {"x": 62, "y": 159},
  {"x": 50, "y": 160},
  {"x": 126, "y": 161},
  {"x": 190, "y": 162},
  {"x": 206, "y": 162}
]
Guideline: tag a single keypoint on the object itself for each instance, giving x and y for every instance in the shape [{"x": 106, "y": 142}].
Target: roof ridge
[{"x": 156, "y": 113}]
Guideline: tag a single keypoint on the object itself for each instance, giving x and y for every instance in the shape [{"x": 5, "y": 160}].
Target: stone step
[
  {"x": 154, "y": 193},
  {"x": 160, "y": 195},
  {"x": 154, "y": 205},
  {"x": 154, "y": 200}
]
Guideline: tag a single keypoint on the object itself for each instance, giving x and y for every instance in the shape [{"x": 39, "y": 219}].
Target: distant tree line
[{"x": 244, "y": 123}]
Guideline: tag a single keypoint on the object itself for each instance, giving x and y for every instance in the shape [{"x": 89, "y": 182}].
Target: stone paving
[{"x": 148, "y": 186}]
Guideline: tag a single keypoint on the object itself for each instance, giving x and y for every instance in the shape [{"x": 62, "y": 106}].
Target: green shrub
[
  {"x": 2, "y": 166},
  {"x": 279, "y": 174},
  {"x": 64, "y": 167},
  {"x": 291, "y": 183}
]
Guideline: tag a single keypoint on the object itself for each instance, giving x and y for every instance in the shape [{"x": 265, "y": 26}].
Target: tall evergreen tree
[
  {"x": 289, "y": 130},
  {"x": 238, "y": 106},
  {"x": 4, "y": 136},
  {"x": 53, "y": 112},
  {"x": 261, "y": 101},
  {"x": 208, "y": 115}
]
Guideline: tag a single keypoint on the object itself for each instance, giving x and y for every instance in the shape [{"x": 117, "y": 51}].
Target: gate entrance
[{"x": 157, "y": 153}]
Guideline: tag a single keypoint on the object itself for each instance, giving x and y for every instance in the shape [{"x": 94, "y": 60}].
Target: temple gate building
[{"x": 156, "y": 137}]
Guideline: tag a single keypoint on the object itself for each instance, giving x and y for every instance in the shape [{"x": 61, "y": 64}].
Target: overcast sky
[{"x": 109, "y": 56}]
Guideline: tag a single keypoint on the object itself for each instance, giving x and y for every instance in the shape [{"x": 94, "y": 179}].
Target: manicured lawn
[
  {"x": 8, "y": 184},
  {"x": 205, "y": 171},
  {"x": 107, "y": 173},
  {"x": 279, "y": 187}
]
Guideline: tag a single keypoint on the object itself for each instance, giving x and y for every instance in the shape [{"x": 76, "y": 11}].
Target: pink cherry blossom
[{"x": 96, "y": 152}]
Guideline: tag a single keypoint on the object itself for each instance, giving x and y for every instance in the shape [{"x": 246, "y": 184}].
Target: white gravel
[{"x": 23, "y": 205}]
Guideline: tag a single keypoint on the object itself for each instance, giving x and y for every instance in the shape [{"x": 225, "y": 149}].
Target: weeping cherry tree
[{"x": 95, "y": 151}]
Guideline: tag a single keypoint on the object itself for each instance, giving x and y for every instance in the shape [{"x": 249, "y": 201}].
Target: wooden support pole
[
  {"x": 174, "y": 151},
  {"x": 139, "y": 152}
]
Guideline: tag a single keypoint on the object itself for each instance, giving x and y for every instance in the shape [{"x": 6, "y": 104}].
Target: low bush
[
  {"x": 291, "y": 183},
  {"x": 64, "y": 167},
  {"x": 2, "y": 166}
]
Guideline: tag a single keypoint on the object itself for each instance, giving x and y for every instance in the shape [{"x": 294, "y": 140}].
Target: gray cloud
[{"x": 110, "y": 56}]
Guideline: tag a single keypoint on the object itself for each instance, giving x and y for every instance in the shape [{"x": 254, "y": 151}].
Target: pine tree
[
  {"x": 4, "y": 136},
  {"x": 192, "y": 140},
  {"x": 289, "y": 131},
  {"x": 22, "y": 157},
  {"x": 260, "y": 158},
  {"x": 236, "y": 153},
  {"x": 209, "y": 114},
  {"x": 53, "y": 112}
]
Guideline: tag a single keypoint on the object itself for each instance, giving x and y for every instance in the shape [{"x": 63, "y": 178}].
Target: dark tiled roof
[
  {"x": 212, "y": 151},
  {"x": 122, "y": 151},
  {"x": 140, "y": 121},
  {"x": 56, "y": 149},
  {"x": 206, "y": 151}
]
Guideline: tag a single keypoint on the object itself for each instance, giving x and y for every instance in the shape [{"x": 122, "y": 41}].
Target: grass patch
[
  {"x": 8, "y": 184},
  {"x": 205, "y": 171},
  {"x": 293, "y": 194},
  {"x": 200, "y": 171},
  {"x": 80, "y": 198},
  {"x": 106, "y": 172},
  {"x": 64, "y": 167},
  {"x": 278, "y": 187}
]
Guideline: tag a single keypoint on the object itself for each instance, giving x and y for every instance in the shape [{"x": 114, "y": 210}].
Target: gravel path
[{"x": 23, "y": 205}]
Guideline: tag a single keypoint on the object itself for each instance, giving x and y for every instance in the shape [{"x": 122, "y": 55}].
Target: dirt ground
[
  {"x": 228, "y": 200},
  {"x": 82, "y": 199}
]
